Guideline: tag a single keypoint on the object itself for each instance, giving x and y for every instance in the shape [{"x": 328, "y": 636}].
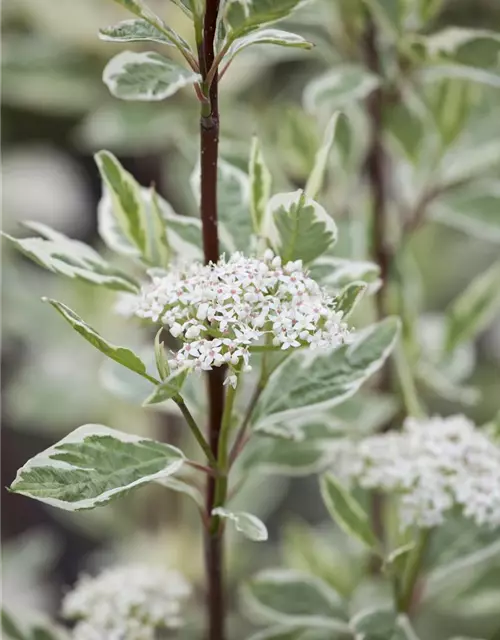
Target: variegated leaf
[
  {"x": 246, "y": 523},
  {"x": 71, "y": 258},
  {"x": 321, "y": 379},
  {"x": 297, "y": 227},
  {"x": 122, "y": 355},
  {"x": 260, "y": 184},
  {"x": 339, "y": 87},
  {"x": 93, "y": 465},
  {"x": 146, "y": 76}
]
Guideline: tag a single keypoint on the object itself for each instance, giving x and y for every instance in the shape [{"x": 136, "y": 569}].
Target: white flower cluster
[
  {"x": 434, "y": 465},
  {"x": 219, "y": 310},
  {"x": 126, "y": 603}
]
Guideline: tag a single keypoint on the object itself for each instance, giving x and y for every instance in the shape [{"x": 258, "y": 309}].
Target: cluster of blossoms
[
  {"x": 126, "y": 603},
  {"x": 220, "y": 310},
  {"x": 434, "y": 465}
]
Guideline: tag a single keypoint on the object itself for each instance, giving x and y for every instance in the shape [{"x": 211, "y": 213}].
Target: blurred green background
[{"x": 55, "y": 114}]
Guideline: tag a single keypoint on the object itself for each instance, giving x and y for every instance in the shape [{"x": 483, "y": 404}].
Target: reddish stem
[{"x": 209, "y": 134}]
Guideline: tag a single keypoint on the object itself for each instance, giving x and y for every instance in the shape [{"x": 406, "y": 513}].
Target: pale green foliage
[
  {"x": 267, "y": 36},
  {"x": 294, "y": 598},
  {"x": 379, "y": 624},
  {"x": 317, "y": 176},
  {"x": 339, "y": 88},
  {"x": 145, "y": 76},
  {"x": 297, "y": 228},
  {"x": 168, "y": 388},
  {"x": 473, "y": 209},
  {"x": 243, "y": 16},
  {"x": 324, "y": 378},
  {"x": 134, "y": 31},
  {"x": 122, "y": 355},
  {"x": 131, "y": 220},
  {"x": 346, "y": 511},
  {"x": 260, "y": 184},
  {"x": 93, "y": 465},
  {"x": 71, "y": 258},
  {"x": 233, "y": 205},
  {"x": 474, "y": 308},
  {"x": 246, "y": 523}
]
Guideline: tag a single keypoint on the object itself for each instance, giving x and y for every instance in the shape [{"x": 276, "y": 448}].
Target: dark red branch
[{"x": 209, "y": 134}]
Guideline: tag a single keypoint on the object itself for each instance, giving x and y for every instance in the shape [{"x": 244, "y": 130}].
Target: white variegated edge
[
  {"x": 282, "y": 576},
  {"x": 116, "y": 67},
  {"x": 438, "y": 578},
  {"x": 325, "y": 456},
  {"x": 44, "y": 459},
  {"x": 107, "y": 38},
  {"x": 364, "y": 613},
  {"x": 404, "y": 624},
  {"x": 452, "y": 38},
  {"x": 345, "y": 268},
  {"x": 467, "y": 224},
  {"x": 287, "y": 200},
  {"x": 237, "y": 517},
  {"x": 225, "y": 169},
  {"x": 307, "y": 361},
  {"x": 267, "y": 36},
  {"x": 316, "y": 177},
  {"x": 332, "y": 79}
]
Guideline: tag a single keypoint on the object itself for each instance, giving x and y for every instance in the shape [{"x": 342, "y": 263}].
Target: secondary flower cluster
[
  {"x": 129, "y": 602},
  {"x": 434, "y": 465},
  {"x": 220, "y": 310}
]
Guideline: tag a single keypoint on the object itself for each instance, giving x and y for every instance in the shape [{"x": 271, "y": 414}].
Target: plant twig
[
  {"x": 209, "y": 149},
  {"x": 196, "y": 431},
  {"x": 241, "y": 433},
  {"x": 406, "y": 601}
]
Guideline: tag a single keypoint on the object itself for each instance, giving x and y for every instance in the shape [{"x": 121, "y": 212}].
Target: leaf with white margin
[
  {"x": 93, "y": 465},
  {"x": 246, "y": 523},
  {"x": 260, "y": 184},
  {"x": 141, "y": 10},
  {"x": 310, "y": 427},
  {"x": 233, "y": 205},
  {"x": 71, "y": 258},
  {"x": 243, "y": 16},
  {"x": 436, "y": 73},
  {"x": 181, "y": 486},
  {"x": 122, "y": 355},
  {"x": 129, "y": 217},
  {"x": 267, "y": 36},
  {"x": 474, "y": 309},
  {"x": 324, "y": 378},
  {"x": 145, "y": 76},
  {"x": 336, "y": 273},
  {"x": 346, "y": 511},
  {"x": 294, "y": 598},
  {"x": 379, "y": 623},
  {"x": 349, "y": 297},
  {"x": 276, "y": 456},
  {"x": 452, "y": 39},
  {"x": 167, "y": 389},
  {"x": 298, "y": 228},
  {"x": 473, "y": 209},
  {"x": 339, "y": 88},
  {"x": 151, "y": 215},
  {"x": 134, "y": 30},
  {"x": 317, "y": 175},
  {"x": 298, "y": 632}
]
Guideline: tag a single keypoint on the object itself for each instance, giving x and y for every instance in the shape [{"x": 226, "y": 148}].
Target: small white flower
[
  {"x": 432, "y": 465},
  {"x": 131, "y": 602},
  {"x": 240, "y": 301}
]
